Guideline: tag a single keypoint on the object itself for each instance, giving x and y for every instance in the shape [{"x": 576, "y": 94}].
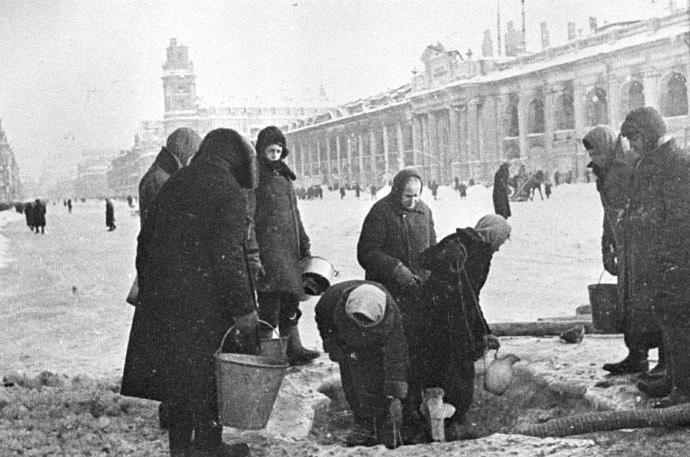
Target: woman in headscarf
[
  {"x": 459, "y": 334},
  {"x": 193, "y": 285},
  {"x": 282, "y": 244}
]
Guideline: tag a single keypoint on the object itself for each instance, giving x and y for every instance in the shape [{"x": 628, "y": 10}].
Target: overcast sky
[{"x": 82, "y": 74}]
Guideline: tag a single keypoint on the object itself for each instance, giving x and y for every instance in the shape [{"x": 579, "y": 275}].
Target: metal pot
[{"x": 317, "y": 274}]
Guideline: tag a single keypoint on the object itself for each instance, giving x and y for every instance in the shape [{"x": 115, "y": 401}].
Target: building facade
[
  {"x": 129, "y": 166},
  {"x": 462, "y": 117},
  {"x": 182, "y": 107},
  {"x": 10, "y": 185}
]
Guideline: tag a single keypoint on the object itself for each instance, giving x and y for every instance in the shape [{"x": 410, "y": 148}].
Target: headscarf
[
  {"x": 648, "y": 122},
  {"x": 229, "y": 149},
  {"x": 602, "y": 138},
  {"x": 367, "y": 300},
  {"x": 183, "y": 143},
  {"x": 494, "y": 229},
  {"x": 400, "y": 180}
]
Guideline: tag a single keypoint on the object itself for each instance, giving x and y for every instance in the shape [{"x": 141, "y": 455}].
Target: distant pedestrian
[
  {"x": 434, "y": 189},
  {"x": 547, "y": 187},
  {"x": 358, "y": 190},
  {"x": 109, "y": 215},
  {"x": 69, "y": 205},
  {"x": 342, "y": 192},
  {"x": 39, "y": 216},
  {"x": 463, "y": 190},
  {"x": 130, "y": 201},
  {"x": 29, "y": 214},
  {"x": 373, "y": 191},
  {"x": 500, "y": 192}
]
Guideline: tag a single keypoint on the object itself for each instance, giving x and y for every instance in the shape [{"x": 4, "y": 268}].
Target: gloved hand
[
  {"x": 247, "y": 324},
  {"x": 335, "y": 352},
  {"x": 610, "y": 263},
  {"x": 405, "y": 278},
  {"x": 491, "y": 342}
]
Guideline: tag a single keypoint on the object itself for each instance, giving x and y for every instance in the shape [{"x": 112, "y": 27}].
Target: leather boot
[
  {"x": 296, "y": 353},
  {"x": 656, "y": 388},
  {"x": 180, "y": 436},
  {"x": 676, "y": 397},
  {"x": 635, "y": 362},
  {"x": 678, "y": 352},
  {"x": 208, "y": 443}
]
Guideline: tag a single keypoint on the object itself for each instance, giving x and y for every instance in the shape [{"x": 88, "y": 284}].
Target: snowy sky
[{"x": 77, "y": 74}]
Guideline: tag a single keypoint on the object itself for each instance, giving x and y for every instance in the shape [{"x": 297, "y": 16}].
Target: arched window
[
  {"x": 674, "y": 96},
  {"x": 597, "y": 107},
  {"x": 565, "y": 112},
  {"x": 511, "y": 127},
  {"x": 535, "y": 116}
]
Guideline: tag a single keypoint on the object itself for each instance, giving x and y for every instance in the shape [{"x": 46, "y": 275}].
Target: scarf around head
[
  {"x": 494, "y": 229},
  {"x": 367, "y": 300}
]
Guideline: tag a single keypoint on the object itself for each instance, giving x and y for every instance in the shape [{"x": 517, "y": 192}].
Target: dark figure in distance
[
  {"x": 501, "y": 191},
  {"x": 39, "y": 216},
  {"x": 109, "y": 215}
]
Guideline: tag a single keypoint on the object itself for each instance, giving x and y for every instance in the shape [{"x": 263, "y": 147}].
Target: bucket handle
[
  {"x": 601, "y": 276},
  {"x": 232, "y": 327},
  {"x": 485, "y": 353}
]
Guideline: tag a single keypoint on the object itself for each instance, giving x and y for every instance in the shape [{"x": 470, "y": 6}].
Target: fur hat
[
  {"x": 183, "y": 143},
  {"x": 231, "y": 150},
  {"x": 646, "y": 121},
  {"x": 366, "y": 301},
  {"x": 494, "y": 229},
  {"x": 268, "y": 136}
]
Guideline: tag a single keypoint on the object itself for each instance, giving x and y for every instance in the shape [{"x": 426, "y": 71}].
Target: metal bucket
[
  {"x": 607, "y": 311},
  {"x": 247, "y": 387},
  {"x": 317, "y": 274},
  {"x": 274, "y": 348}
]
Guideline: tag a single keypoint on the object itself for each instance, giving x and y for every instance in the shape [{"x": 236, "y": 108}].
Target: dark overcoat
[
  {"x": 109, "y": 214},
  {"x": 656, "y": 224},
  {"x": 29, "y": 214},
  {"x": 392, "y": 235},
  {"x": 500, "y": 192},
  {"x": 193, "y": 280},
  {"x": 39, "y": 214},
  {"x": 380, "y": 363},
  {"x": 279, "y": 230},
  {"x": 151, "y": 183}
]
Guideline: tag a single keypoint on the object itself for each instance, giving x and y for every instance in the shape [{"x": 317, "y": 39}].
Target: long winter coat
[
  {"x": 193, "y": 280},
  {"x": 657, "y": 226},
  {"x": 279, "y": 230},
  {"x": 392, "y": 235},
  {"x": 500, "y": 192},
  {"x": 151, "y": 183},
  {"x": 381, "y": 357},
  {"x": 39, "y": 214},
  {"x": 453, "y": 328},
  {"x": 109, "y": 214}
]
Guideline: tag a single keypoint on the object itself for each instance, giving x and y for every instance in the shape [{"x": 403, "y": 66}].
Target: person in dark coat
[
  {"x": 361, "y": 328},
  {"x": 358, "y": 190},
  {"x": 194, "y": 283},
  {"x": 456, "y": 332},
  {"x": 342, "y": 192},
  {"x": 501, "y": 191},
  {"x": 613, "y": 170},
  {"x": 657, "y": 222},
  {"x": 69, "y": 205},
  {"x": 39, "y": 216},
  {"x": 397, "y": 228},
  {"x": 109, "y": 215},
  {"x": 29, "y": 215},
  {"x": 179, "y": 148},
  {"x": 282, "y": 244}
]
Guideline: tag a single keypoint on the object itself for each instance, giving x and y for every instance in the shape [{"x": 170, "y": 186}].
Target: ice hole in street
[{"x": 528, "y": 400}]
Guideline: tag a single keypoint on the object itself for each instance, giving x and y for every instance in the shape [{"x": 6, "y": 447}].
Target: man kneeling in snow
[{"x": 361, "y": 329}]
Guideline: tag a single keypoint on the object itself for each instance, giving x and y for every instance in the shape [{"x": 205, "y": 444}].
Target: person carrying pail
[
  {"x": 282, "y": 244},
  {"x": 194, "y": 283},
  {"x": 361, "y": 328},
  {"x": 612, "y": 168}
]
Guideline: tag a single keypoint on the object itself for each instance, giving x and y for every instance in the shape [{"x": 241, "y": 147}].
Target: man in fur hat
[
  {"x": 361, "y": 328},
  {"x": 657, "y": 223}
]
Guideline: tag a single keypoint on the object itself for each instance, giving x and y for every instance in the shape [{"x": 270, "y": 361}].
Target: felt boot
[
  {"x": 656, "y": 388},
  {"x": 635, "y": 362},
  {"x": 296, "y": 353}
]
